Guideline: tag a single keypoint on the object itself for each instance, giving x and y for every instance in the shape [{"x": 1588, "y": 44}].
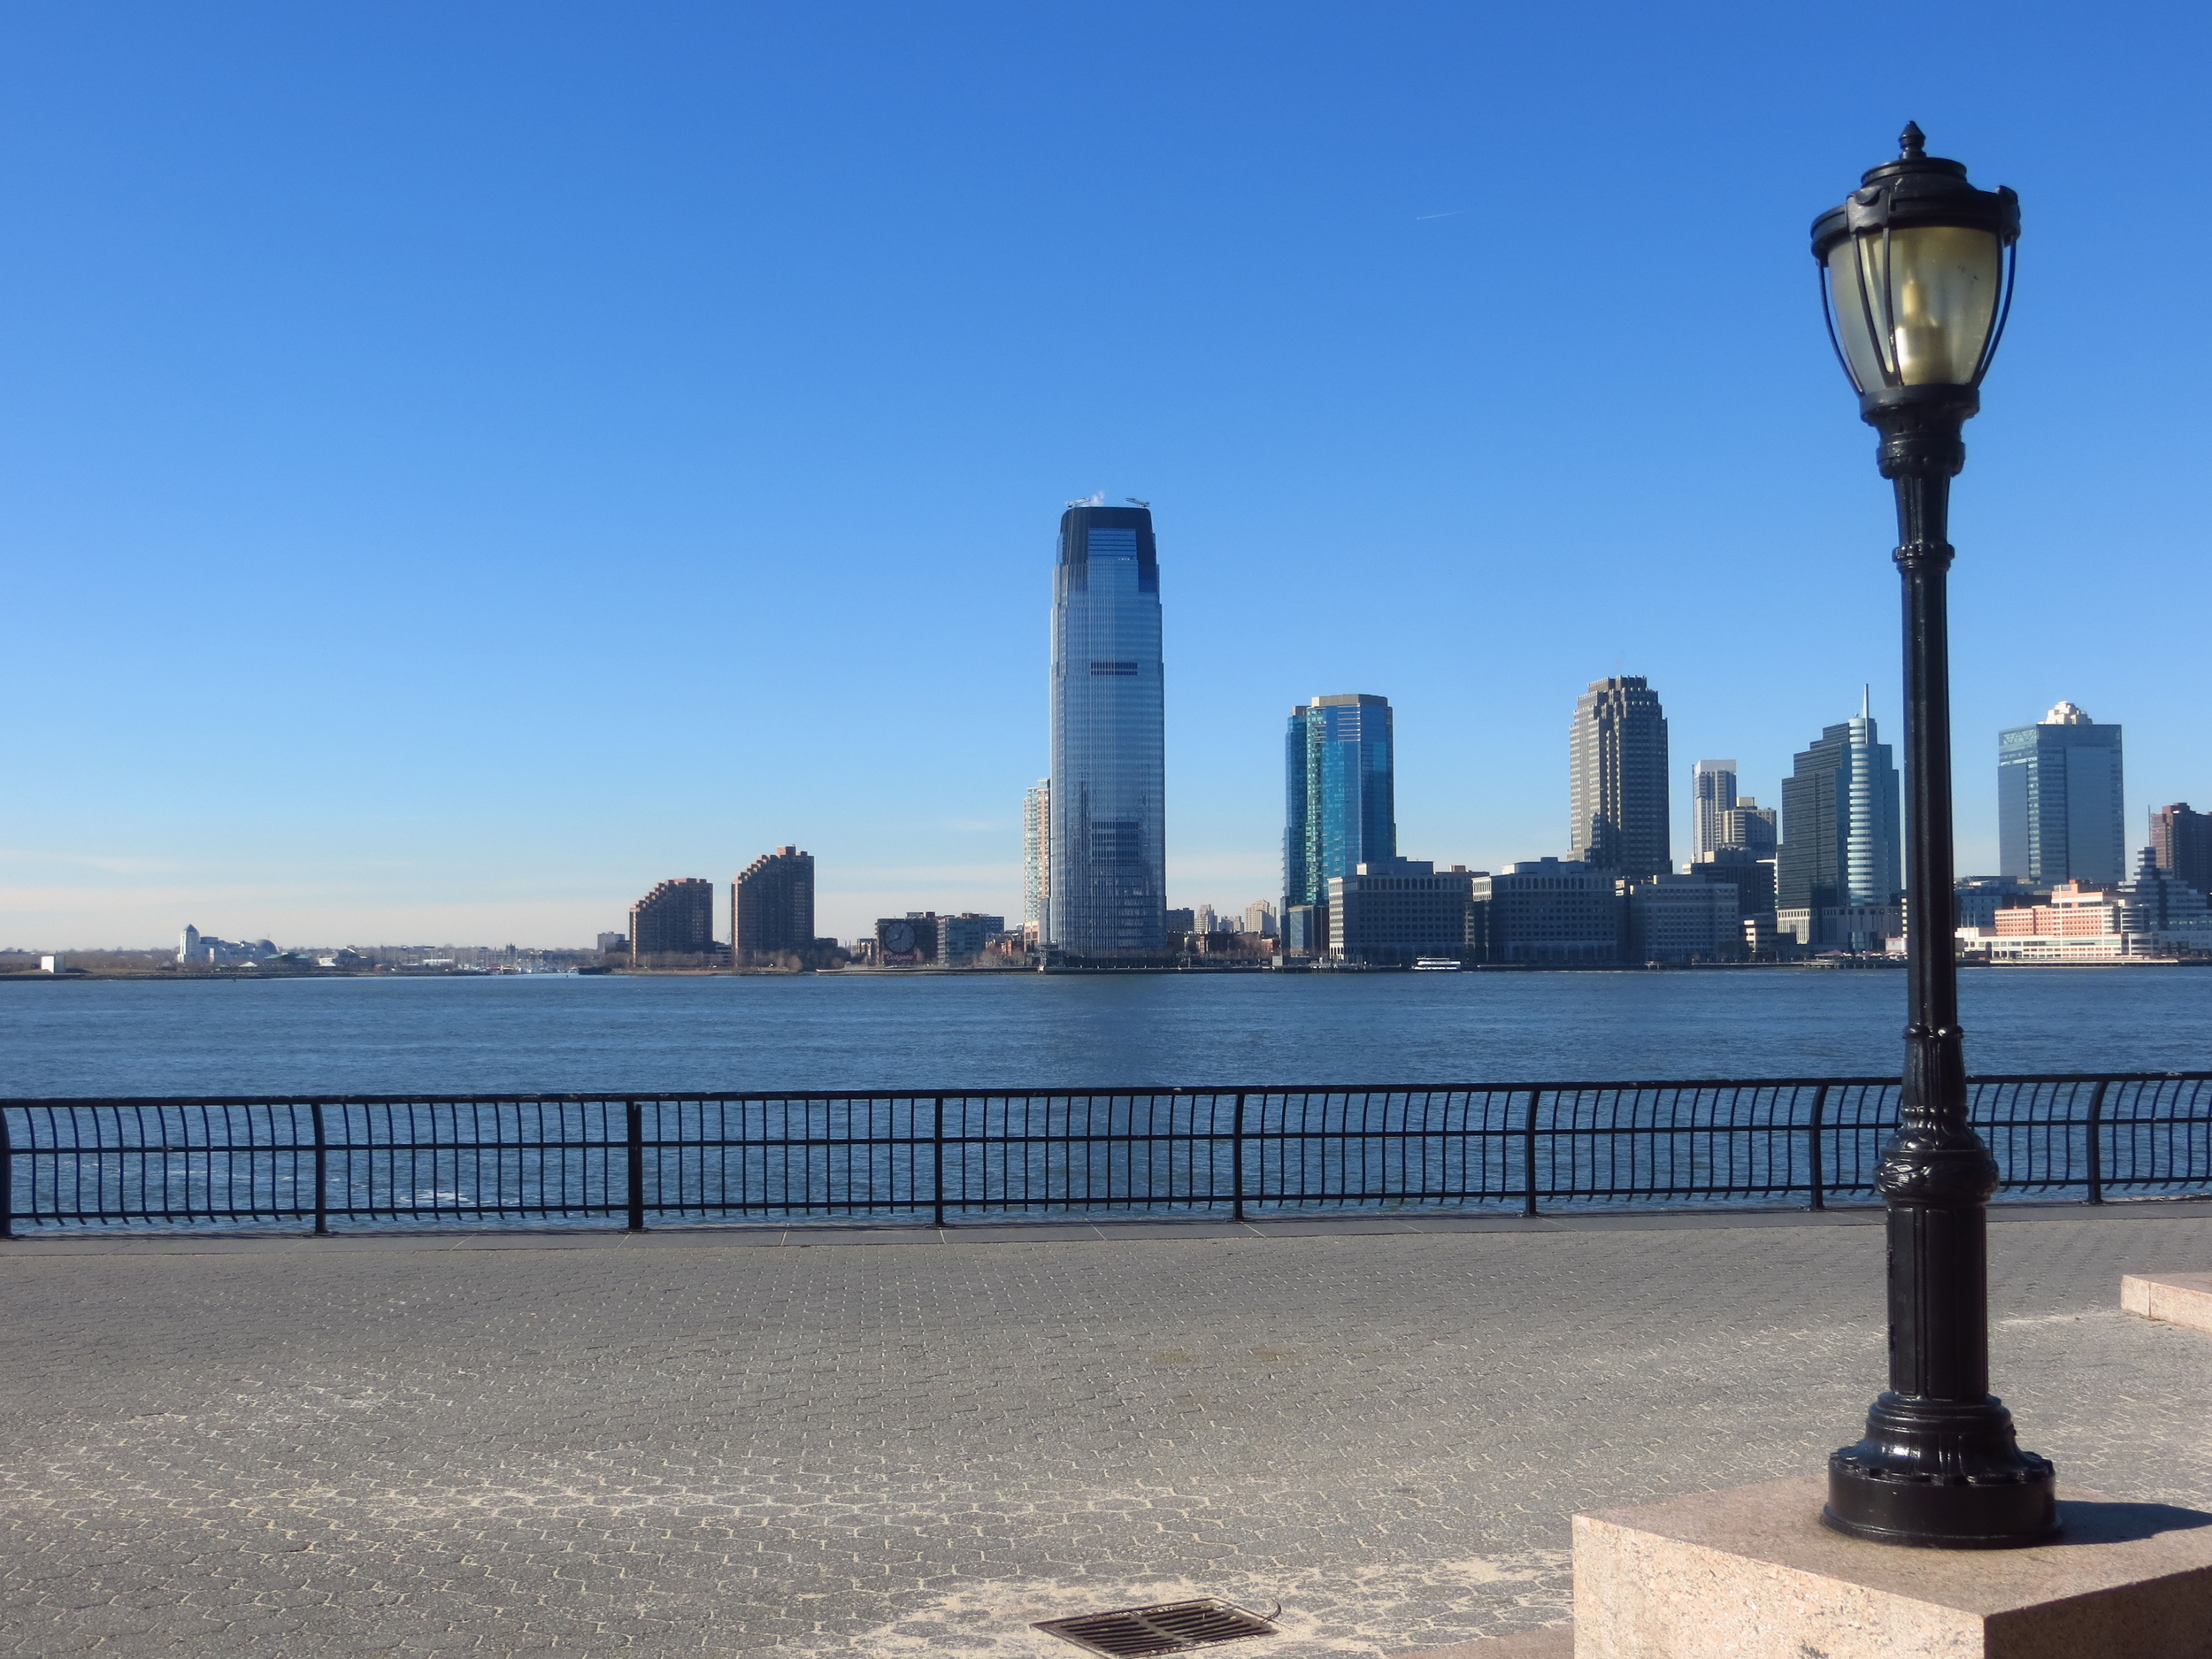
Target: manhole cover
[{"x": 1171, "y": 1627}]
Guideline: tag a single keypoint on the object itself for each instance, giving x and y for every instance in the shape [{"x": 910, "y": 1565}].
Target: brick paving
[{"x": 688, "y": 1443}]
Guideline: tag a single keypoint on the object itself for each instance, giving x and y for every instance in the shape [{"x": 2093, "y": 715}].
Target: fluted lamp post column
[{"x": 1916, "y": 271}]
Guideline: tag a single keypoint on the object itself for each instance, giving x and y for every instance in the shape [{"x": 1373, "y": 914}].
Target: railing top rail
[{"x": 620, "y": 1097}]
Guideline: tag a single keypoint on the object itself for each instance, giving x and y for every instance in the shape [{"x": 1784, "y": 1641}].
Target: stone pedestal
[
  {"x": 1751, "y": 1574},
  {"x": 2177, "y": 1298}
]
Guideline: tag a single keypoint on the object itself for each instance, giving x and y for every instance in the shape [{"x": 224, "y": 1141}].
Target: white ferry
[{"x": 1436, "y": 964}]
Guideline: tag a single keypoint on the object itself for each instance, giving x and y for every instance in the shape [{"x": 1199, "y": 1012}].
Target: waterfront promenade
[{"x": 897, "y": 1443}]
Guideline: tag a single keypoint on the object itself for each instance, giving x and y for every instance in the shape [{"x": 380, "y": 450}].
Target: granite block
[
  {"x": 1750, "y": 1573},
  {"x": 1548, "y": 1641},
  {"x": 2175, "y": 1298}
]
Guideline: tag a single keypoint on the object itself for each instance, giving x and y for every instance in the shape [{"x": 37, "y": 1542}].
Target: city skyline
[{"x": 389, "y": 389}]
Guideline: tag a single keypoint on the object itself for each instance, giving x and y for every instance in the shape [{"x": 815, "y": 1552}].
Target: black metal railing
[{"x": 1005, "y": 1154}]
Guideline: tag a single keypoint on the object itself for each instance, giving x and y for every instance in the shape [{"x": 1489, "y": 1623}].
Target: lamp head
[{"x": 1917, "y": 269}]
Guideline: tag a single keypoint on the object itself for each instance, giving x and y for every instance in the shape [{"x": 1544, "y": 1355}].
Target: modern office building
[
  {"x": 1340, "y": 809},
  {"x": 1546, "y": 911},
  {"x": 1712, "y": 795},
  {"x": 1685, "y": 918},
  {"x": 675, "y": 920},
  {"x": 1839, "y": 869},
  {"x": 1037, "y": 856},
  {"x": 1396, "y": 910},
  {"x": 2181, "y": 843},
  {"x": 2061, "y": 807},
  {"x": 963, "y": 938},
  {"x": 1617, "y": 779},
  {"x": 1107, "y": 873},
  {"x": 1738, "y": 867},
  {"x": 1751, "y": 826}
]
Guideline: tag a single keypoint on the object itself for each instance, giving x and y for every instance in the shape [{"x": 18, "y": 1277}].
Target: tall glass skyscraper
[
  {"x": 1341, "y": 805},
  {"x": 1841, "y": 844},
  {"x": 2061, "y": 812},
  {"x": 1107, "y": 886},
  {"x": 1617, "y": 758},
  {"x": 1712, "y": 797}
]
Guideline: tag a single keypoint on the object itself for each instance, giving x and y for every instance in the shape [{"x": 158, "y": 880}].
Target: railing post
[
  {"x": 937, "y": 1164},
  {"x": 1820, "y": 1112},
  {"x": 1528, "y": 1154},
  {"x": 1236, "y": 1163},
  {"x": 2096, "y": 1150},
  {"x": 7, "y": 1180},
  {"x": 322, "y": 1171},
  {"x": 633, "y": 1128}
]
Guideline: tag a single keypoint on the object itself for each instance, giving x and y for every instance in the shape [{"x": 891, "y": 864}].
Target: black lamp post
[{"x": 1917, "y": 276}]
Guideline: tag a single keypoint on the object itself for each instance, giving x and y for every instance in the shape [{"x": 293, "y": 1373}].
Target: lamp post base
[{"x": 1941, "y": 1475}]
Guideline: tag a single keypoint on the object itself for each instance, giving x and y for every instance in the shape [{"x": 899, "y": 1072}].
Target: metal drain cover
[{"x": 1171, "y": 1627}]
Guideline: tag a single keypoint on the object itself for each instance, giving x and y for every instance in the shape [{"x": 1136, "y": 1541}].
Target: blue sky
[{"x": 462, "y": 464}]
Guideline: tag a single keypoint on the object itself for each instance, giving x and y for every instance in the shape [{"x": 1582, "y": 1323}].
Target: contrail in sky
[{"x": 1455, "y": 213}]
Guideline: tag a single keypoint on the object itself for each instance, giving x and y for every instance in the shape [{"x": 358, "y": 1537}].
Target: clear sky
[{"x": 462, "y": 464}]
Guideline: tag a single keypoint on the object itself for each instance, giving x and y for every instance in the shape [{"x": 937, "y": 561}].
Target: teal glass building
[
  {"x": 1842, "y": 846},
  {"x": 2062, "y": 801},
  {"x": 1340, "y": 794},
  {"x": 1107, "y": 886}
]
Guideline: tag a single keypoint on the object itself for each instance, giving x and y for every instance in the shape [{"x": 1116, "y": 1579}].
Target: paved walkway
[{"x": 684, "y": 1443}]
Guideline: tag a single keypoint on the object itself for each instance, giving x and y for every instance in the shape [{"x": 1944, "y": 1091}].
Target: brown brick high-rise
[
  {"x": 675, "y": 918},
  {"x": 772, "y": 906},
  {"x": 2181, "y": 841}
]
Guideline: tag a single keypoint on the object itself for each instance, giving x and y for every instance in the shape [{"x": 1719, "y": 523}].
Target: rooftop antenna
[
  {"x": 1133, "y": 501},
  {"x": 1866, "y": 701}
]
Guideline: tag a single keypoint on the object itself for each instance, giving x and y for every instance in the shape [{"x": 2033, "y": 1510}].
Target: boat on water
[{"x": 1436, "y": 964}]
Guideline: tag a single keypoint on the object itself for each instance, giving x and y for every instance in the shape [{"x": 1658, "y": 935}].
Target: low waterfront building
[
  {"x": 1860, "y": 929},
  {"x": 1546, "y": 911},
  {"x": 1305, "y": 930},
  {"x": 2153, "y": 915},
  {"x": 923, "y": 939},
  {"x": 1684, "y": 918},
  {"x": 206, "y": 950},
  {"x": 1390, "y": 911},
  {"x": 908, "y": 941}
]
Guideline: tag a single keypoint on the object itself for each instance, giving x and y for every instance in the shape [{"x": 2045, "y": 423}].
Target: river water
[{"x": 557, "y": 1034}]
